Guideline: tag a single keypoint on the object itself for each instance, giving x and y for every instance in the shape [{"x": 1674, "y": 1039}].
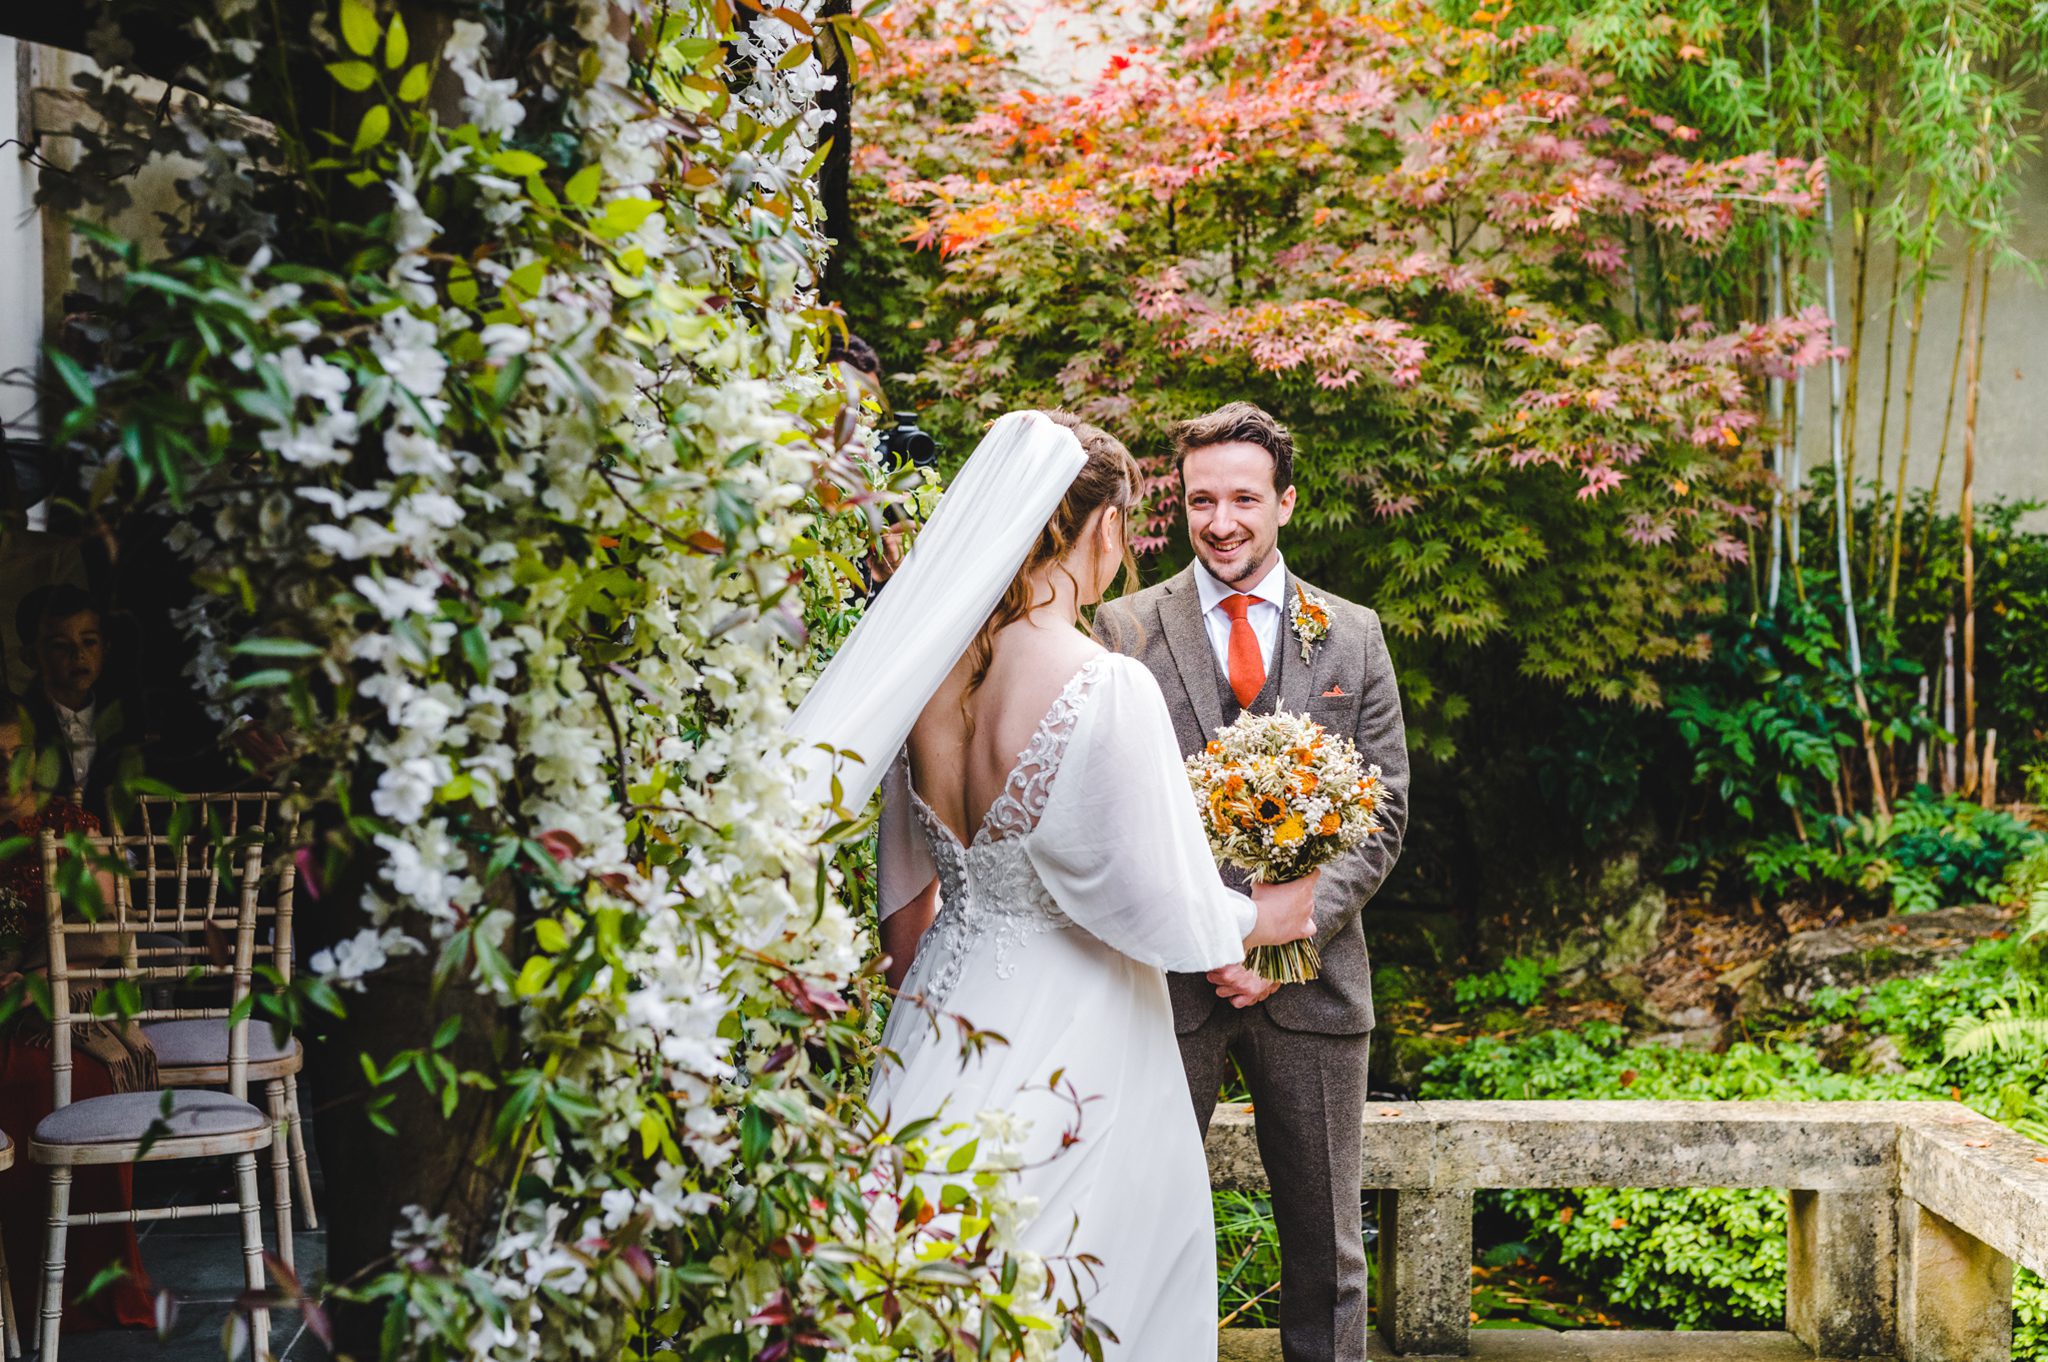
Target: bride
[{"x": 1043, "y": 865}]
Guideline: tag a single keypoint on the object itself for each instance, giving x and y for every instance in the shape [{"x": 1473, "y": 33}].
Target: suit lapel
[
  {"x": 1180, "y": 616},
  {"x": 1297, "y": 678}
]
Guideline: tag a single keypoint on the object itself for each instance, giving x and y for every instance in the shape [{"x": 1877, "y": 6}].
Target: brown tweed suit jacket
[{"x": 1348, "y": 686}]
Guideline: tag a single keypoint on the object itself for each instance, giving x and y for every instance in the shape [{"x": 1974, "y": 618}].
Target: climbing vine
[{"x": 478, "y": 384}]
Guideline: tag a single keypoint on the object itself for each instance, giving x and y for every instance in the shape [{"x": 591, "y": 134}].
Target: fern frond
[{"x": 2012, "y": 1035}]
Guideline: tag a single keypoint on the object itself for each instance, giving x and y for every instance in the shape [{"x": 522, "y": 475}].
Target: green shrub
[
  {"x": 1520, "y": 980},
  {"x": 1930, "y": 853}
]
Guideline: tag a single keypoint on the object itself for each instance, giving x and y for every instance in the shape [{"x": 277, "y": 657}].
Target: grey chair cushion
[
  {"x": 204, "y": 1042},
  {"x": 127, "y": 1116}
]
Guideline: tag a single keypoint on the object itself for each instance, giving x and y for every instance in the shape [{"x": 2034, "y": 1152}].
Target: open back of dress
[{"x": 1088, "y": 878}]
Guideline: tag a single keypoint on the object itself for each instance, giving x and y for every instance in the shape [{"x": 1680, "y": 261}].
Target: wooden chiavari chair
[
  {"x": 182, "y": 841},
  {"x": 152, "y": 1126}
]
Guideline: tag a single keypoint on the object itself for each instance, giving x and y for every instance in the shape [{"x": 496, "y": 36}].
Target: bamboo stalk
[
  {"x": 1920, "y": 772},
  {"x": 1948, "y": 706},
  {"x": 1989, "y": 791},
  {"x": 1837, "y": 455},
  {"x": 1884, "y": 417},
  {"x": 1955, "y": 369},
  {"x": 1971, "y": 771},
  {"x": 1779, "y": 468},
  {"x": 1856, "y": 319},
  {"x": 1891, "y": 590}
]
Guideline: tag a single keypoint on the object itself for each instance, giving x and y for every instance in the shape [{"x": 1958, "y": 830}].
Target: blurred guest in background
[
  {"x": 72, "y": 709},
  {"x": 107, "y": 1057}
]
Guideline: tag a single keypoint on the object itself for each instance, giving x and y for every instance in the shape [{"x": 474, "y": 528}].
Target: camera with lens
[{"x": 907, "y": 443}]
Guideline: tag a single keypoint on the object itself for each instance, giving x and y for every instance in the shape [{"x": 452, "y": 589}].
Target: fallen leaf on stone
[
  {"x": 1390, "y": 1111},
  {"x": 1976, "y": 1144}
]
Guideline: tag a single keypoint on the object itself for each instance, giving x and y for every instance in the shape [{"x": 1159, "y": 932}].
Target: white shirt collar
[{"x": 1271, "y": 589}]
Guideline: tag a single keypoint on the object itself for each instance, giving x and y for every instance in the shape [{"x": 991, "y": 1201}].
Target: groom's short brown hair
[{"x": 1234, "y": 423}]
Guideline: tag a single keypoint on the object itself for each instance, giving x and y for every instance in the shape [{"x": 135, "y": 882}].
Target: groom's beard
[{"x": 1235, "y": 574}]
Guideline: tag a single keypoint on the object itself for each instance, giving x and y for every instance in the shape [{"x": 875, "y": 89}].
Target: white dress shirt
[
  {"x": 81, "y": 739},
  {"x": 1269, "y": 599}
]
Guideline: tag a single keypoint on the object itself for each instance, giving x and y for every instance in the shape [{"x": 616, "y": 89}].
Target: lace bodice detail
[{"x": 990, "y": 895}]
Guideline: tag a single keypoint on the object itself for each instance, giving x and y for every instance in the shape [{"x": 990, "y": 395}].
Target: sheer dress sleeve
[
  {"x": 903, "y": 857},
  {"x": 1119, "y": 843}
]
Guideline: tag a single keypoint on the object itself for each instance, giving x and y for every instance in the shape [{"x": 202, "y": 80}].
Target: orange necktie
[{"x": 1247, "y": 668}]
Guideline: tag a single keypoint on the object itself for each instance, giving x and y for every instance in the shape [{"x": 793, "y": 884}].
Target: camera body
[{"x": 907, "y": 443}]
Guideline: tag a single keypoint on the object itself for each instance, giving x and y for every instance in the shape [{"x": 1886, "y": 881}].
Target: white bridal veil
[{"x": 873, "y": 690}]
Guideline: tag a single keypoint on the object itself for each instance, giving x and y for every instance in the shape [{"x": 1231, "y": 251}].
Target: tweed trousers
[{"x": 1308, "y": 1091}]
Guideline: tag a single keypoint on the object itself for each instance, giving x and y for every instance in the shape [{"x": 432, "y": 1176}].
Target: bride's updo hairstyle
[{"x": 1111, "y": 478}]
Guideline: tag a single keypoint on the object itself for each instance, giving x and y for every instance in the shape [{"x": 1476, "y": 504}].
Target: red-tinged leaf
[
  {"x": 775, "y": 1313},
  {"x": 809, "y": 998},
  {"x": 638, "y": 1259},
  {"x": 559, "y": 844},
  {"x": 287, "y": 1279},
  {"x": 316, "y": 1320},
  {"x": 706, "y": 542},
  {"x": 303, "y": 860}
]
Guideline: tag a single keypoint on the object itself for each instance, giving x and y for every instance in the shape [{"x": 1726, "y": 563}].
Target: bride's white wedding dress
[{"x": 1087, "y": 879}]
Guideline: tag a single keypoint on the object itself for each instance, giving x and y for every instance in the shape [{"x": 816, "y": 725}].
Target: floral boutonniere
[{"x": 1310, "y": 617}]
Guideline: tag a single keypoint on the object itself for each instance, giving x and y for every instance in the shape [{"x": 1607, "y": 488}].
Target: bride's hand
[
  {"x": 1286, "y": 911},
  {"x": 1241, "y": 987}
]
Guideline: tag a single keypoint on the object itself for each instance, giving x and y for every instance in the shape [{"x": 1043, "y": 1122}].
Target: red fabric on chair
[{"x": 25, "y": 1204}]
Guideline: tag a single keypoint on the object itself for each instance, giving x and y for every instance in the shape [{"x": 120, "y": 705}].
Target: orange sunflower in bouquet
[{"x": 1280, "y": 797}]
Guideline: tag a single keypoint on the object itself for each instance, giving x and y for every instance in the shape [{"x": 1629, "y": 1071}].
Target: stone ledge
[
  {"x": 1548, "y": 1345},
  {"x": 1424, "y": 1146},
  {"x": 1986, "y": 1180}
]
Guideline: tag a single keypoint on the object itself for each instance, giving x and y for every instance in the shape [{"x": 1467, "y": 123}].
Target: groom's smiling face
[{"x": 1234, "y": 510}]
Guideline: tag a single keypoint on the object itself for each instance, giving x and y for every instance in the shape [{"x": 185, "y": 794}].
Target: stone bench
[{"x": 1906, "y": 1217}]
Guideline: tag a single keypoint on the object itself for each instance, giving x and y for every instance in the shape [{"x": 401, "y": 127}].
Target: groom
[{"x": 1223, "y": 639}]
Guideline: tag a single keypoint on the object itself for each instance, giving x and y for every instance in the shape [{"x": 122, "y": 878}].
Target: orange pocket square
[{"x": 1334, "y": 690}]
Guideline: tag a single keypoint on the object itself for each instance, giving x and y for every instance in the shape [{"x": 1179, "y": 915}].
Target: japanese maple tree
[{"x": 1430, "y": 255}]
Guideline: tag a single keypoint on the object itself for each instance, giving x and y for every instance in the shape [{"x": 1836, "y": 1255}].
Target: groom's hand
[
  {"x": 1241, "y": 987},
  {"x": 1286, "y": 911}
]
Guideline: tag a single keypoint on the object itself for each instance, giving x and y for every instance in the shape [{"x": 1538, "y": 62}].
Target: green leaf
[
  {"x": 519, "y": 163},
  {"x": 352, "y": 75},
  {"x": 375, "y": 126},
  {"x": 549, "y": 936},
  {"x": 417, "y": 81},
  {"x": 583, "y": 185},
  {"x": 359, "y": 26},
  {"x": 260, "y": 680},
  {"x": 396, "y": 43},
  {"x": 526, "y": 280},
  {"x": 73, "y": 376},
  {"x": 625, "y": 215},
  {"x": 533, "y": 975},
  {"x": 462, "y": 285},
  {"x": 275, "y": 647}
]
